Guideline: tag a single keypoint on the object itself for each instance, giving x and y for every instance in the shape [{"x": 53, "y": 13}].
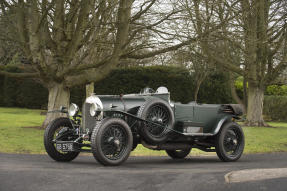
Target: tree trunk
[
  {"x": 90, "y": 89},
  {"x": 245, "y": 99},
  {"x": 59, "y": 95},
  {"x": 197, "y": 86},
  {"x": 255, "y": 106}
]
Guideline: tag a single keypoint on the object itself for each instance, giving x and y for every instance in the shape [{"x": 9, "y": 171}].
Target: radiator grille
[{"x": 88, "y": 121}]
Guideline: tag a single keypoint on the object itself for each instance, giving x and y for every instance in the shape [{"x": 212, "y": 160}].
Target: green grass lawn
[{"x": 17, "y": 136}]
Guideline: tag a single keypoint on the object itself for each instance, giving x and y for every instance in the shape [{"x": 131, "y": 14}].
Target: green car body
[
  {"x": 205, "y": 118},
  {"x": 113, "y": 125}
]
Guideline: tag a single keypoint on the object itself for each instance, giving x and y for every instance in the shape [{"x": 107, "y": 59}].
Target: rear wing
[{"x": 235, "y": 109}]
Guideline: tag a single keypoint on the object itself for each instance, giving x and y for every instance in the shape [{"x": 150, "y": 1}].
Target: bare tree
[
  {"x": 71, "y": 42},
  {"x": 194, "y": 60},
  {"x": 246, "y": 37}
]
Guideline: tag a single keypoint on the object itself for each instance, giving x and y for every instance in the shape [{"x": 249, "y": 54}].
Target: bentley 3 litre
[{"x": 111, "y": 126}]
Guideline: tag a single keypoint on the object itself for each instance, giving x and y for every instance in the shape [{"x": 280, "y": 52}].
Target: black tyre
[
  {"x": 178, "y": 154},
  {"x": 51, "y": 132},
  {"x": 111, "y": 141},
  {"x": 230, "y": 142},
  {"x": 157, "y": 111}
]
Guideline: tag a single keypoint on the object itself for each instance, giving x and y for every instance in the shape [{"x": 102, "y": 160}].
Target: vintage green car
[{"x": 111, "y": 126}]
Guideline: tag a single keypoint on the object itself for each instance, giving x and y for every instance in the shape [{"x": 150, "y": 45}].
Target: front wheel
[
  {"x": 178, "y": 154},
  {"x": 230, "y": 142},
  {"x": 111, "y": 141},
  {"x": 62, "y": 130}
]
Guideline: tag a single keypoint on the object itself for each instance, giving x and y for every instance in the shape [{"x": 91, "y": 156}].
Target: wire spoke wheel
[
  {"x": 160, "y": 115},
  {"x": 114, "y": 142},
  {"x": 111, "y": 141},
  {"x": 230, "y": 142},
  {"x": 159, "y": 120},
  {"x": 60, "y": 129}
]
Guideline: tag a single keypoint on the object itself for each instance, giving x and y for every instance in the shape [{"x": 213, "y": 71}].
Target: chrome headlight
[
  {"x": 73, "y": 110},
  {"x": 96, "y": 108},
  {"x": 93, "y": 109}
]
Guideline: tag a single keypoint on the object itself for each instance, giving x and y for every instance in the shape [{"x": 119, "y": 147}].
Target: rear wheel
[
  {"x": 111, "y": 141},
  {"x": 158, "y": 112},
  {"x": 178, "y": 154},
  {"x": 62, "y": 130},
  {"x": 230, "y": 142}
]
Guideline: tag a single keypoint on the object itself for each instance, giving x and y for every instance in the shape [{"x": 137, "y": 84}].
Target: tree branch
[
  {"x": 135, "y": 32},
  {"x": 156, "y": 52},
  {"x": 19, "y": 75},
  {"x": 81, "y": 27},
  {"x": 142, "y": 11}
]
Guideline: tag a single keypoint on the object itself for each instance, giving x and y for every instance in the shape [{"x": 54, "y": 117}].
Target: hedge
[
  {"x": 275, "y": 108},
  {"x": 280, "y": 90},
  {"x": 276, "y": 90},
  {"x": 132, "y": 80},
  {"x": 179, "y": 81},
  {"x": 215, "y": 89}
]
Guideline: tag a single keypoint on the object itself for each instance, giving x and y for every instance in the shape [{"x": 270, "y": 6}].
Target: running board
[
  {"x": 198, "y": 134},
  {"x": 168, "y": 146},
  {"x": 203, "y": 148}
]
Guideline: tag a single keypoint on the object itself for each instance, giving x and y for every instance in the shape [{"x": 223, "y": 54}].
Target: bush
[
  {"x": 215, "y": 89},
  {"x": 10, "y": 91},
  {"x": 78, "y": 95},
  {"x": 275, "y": 108},
  {"x": 31, "y": 95},
  {"x": 276, "y": 90},
  {"x": 179, "y": 81},
  {"x": 132, "y": 80},
  {"x": 2, "y": 90},
  {"x": 239, "y": 86},
  {"x": 9, "y": 87}
]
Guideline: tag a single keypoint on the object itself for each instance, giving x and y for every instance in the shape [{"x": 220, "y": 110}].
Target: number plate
[{"x": 65, "y": 147}]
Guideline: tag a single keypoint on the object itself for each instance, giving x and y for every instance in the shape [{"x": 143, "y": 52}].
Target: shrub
[
  {"x": 31, "y": 95},
  {"x": 276, "y": 90},
  {"x": 239, "y": 86},
  {"x": 132, "y": 80},
  {"x": 78, "y": 95},
  {"x": 275, "y": 108},
  {"x": 279, "y": 90},
  {"x": 179, "y": 81},
  {"x": 215, "y": 89},
  {"x": 2, "y": 90}
]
